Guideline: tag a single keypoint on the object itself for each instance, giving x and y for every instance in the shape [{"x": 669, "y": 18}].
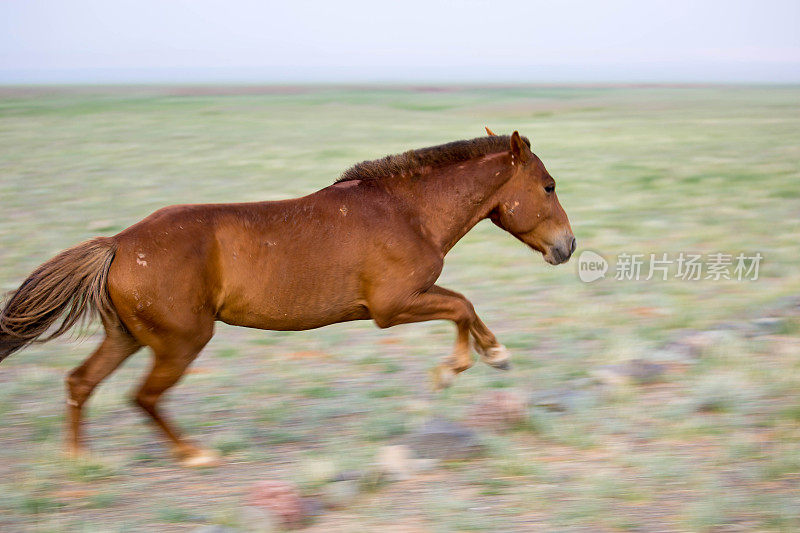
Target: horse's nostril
[{"x": 572, "y": 246}]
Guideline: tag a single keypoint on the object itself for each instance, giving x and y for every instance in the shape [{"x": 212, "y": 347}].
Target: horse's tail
[{"x": 72, "y": 284}]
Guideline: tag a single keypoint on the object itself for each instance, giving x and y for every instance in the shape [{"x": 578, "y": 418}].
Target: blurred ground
[{"x": 711, "y": 443}]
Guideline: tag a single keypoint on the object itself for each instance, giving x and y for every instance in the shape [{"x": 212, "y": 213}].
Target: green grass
[{"x": 639, "y": 170}]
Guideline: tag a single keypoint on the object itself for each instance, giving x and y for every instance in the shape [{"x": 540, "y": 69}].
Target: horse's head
[{"x": 528, "y": 206}]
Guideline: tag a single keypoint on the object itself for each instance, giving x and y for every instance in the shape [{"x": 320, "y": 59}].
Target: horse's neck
[{"x": 452, "y": 199}]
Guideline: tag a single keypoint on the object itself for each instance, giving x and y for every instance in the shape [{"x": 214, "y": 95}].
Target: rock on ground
[
  {"x": 559, "y": 400},
  {"x": 635, "y": 371},
  {"x": 340, "y": 494},
  {"x": 498, "y": 410},
  {"x": 280, "y": 500},
  {"x": 444, "y": 440},
  {"x": 399, "y": 462}
]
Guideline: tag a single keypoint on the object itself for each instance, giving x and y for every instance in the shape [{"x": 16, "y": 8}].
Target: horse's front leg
[
  {"x": 492, "y": 352},
  {"x": 390, "y": 308}
]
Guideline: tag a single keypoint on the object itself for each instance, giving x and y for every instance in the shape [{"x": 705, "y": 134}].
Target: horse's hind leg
[
  {"x": 170, "y": 361},
  {"x": 115, "y": 348}
]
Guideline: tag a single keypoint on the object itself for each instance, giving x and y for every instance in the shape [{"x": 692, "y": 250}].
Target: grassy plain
[{"x": 714, "y": 445}]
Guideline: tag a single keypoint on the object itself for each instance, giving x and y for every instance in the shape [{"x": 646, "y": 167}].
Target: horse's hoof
[
  {"x": 497, "y": 357},
  {"x": 442, "y": 377},
  {"x": 502, "y": 365},
  {"x": 200, "y": 458}
]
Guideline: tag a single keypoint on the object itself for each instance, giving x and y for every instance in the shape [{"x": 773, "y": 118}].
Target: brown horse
[{"x": 370, "y": 246}]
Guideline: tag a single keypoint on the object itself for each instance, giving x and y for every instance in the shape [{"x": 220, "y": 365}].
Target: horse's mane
[{"x": 413, "y": 161}]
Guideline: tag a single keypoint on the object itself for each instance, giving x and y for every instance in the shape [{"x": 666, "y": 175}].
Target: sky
[{"x": 349, "y": 41}]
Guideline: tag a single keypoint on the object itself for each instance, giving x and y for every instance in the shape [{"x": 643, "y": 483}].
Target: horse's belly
[
  {"x": 292, "y": 321},
  {"x": 293, "y": 304}
]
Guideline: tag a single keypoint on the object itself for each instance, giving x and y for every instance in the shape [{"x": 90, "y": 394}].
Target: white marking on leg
[{"x": 496, "y": 355}]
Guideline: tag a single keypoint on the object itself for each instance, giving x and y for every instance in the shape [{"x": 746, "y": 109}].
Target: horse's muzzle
[{"x": 560, "y": 253}]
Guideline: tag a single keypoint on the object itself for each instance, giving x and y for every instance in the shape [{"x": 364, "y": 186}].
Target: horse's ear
[
  {"x": 519, "y": 149},
  {"x": 490, "y": 132}
]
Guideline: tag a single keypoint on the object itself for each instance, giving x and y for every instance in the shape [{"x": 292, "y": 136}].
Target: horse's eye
[{"x": 550, "y": 188}]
